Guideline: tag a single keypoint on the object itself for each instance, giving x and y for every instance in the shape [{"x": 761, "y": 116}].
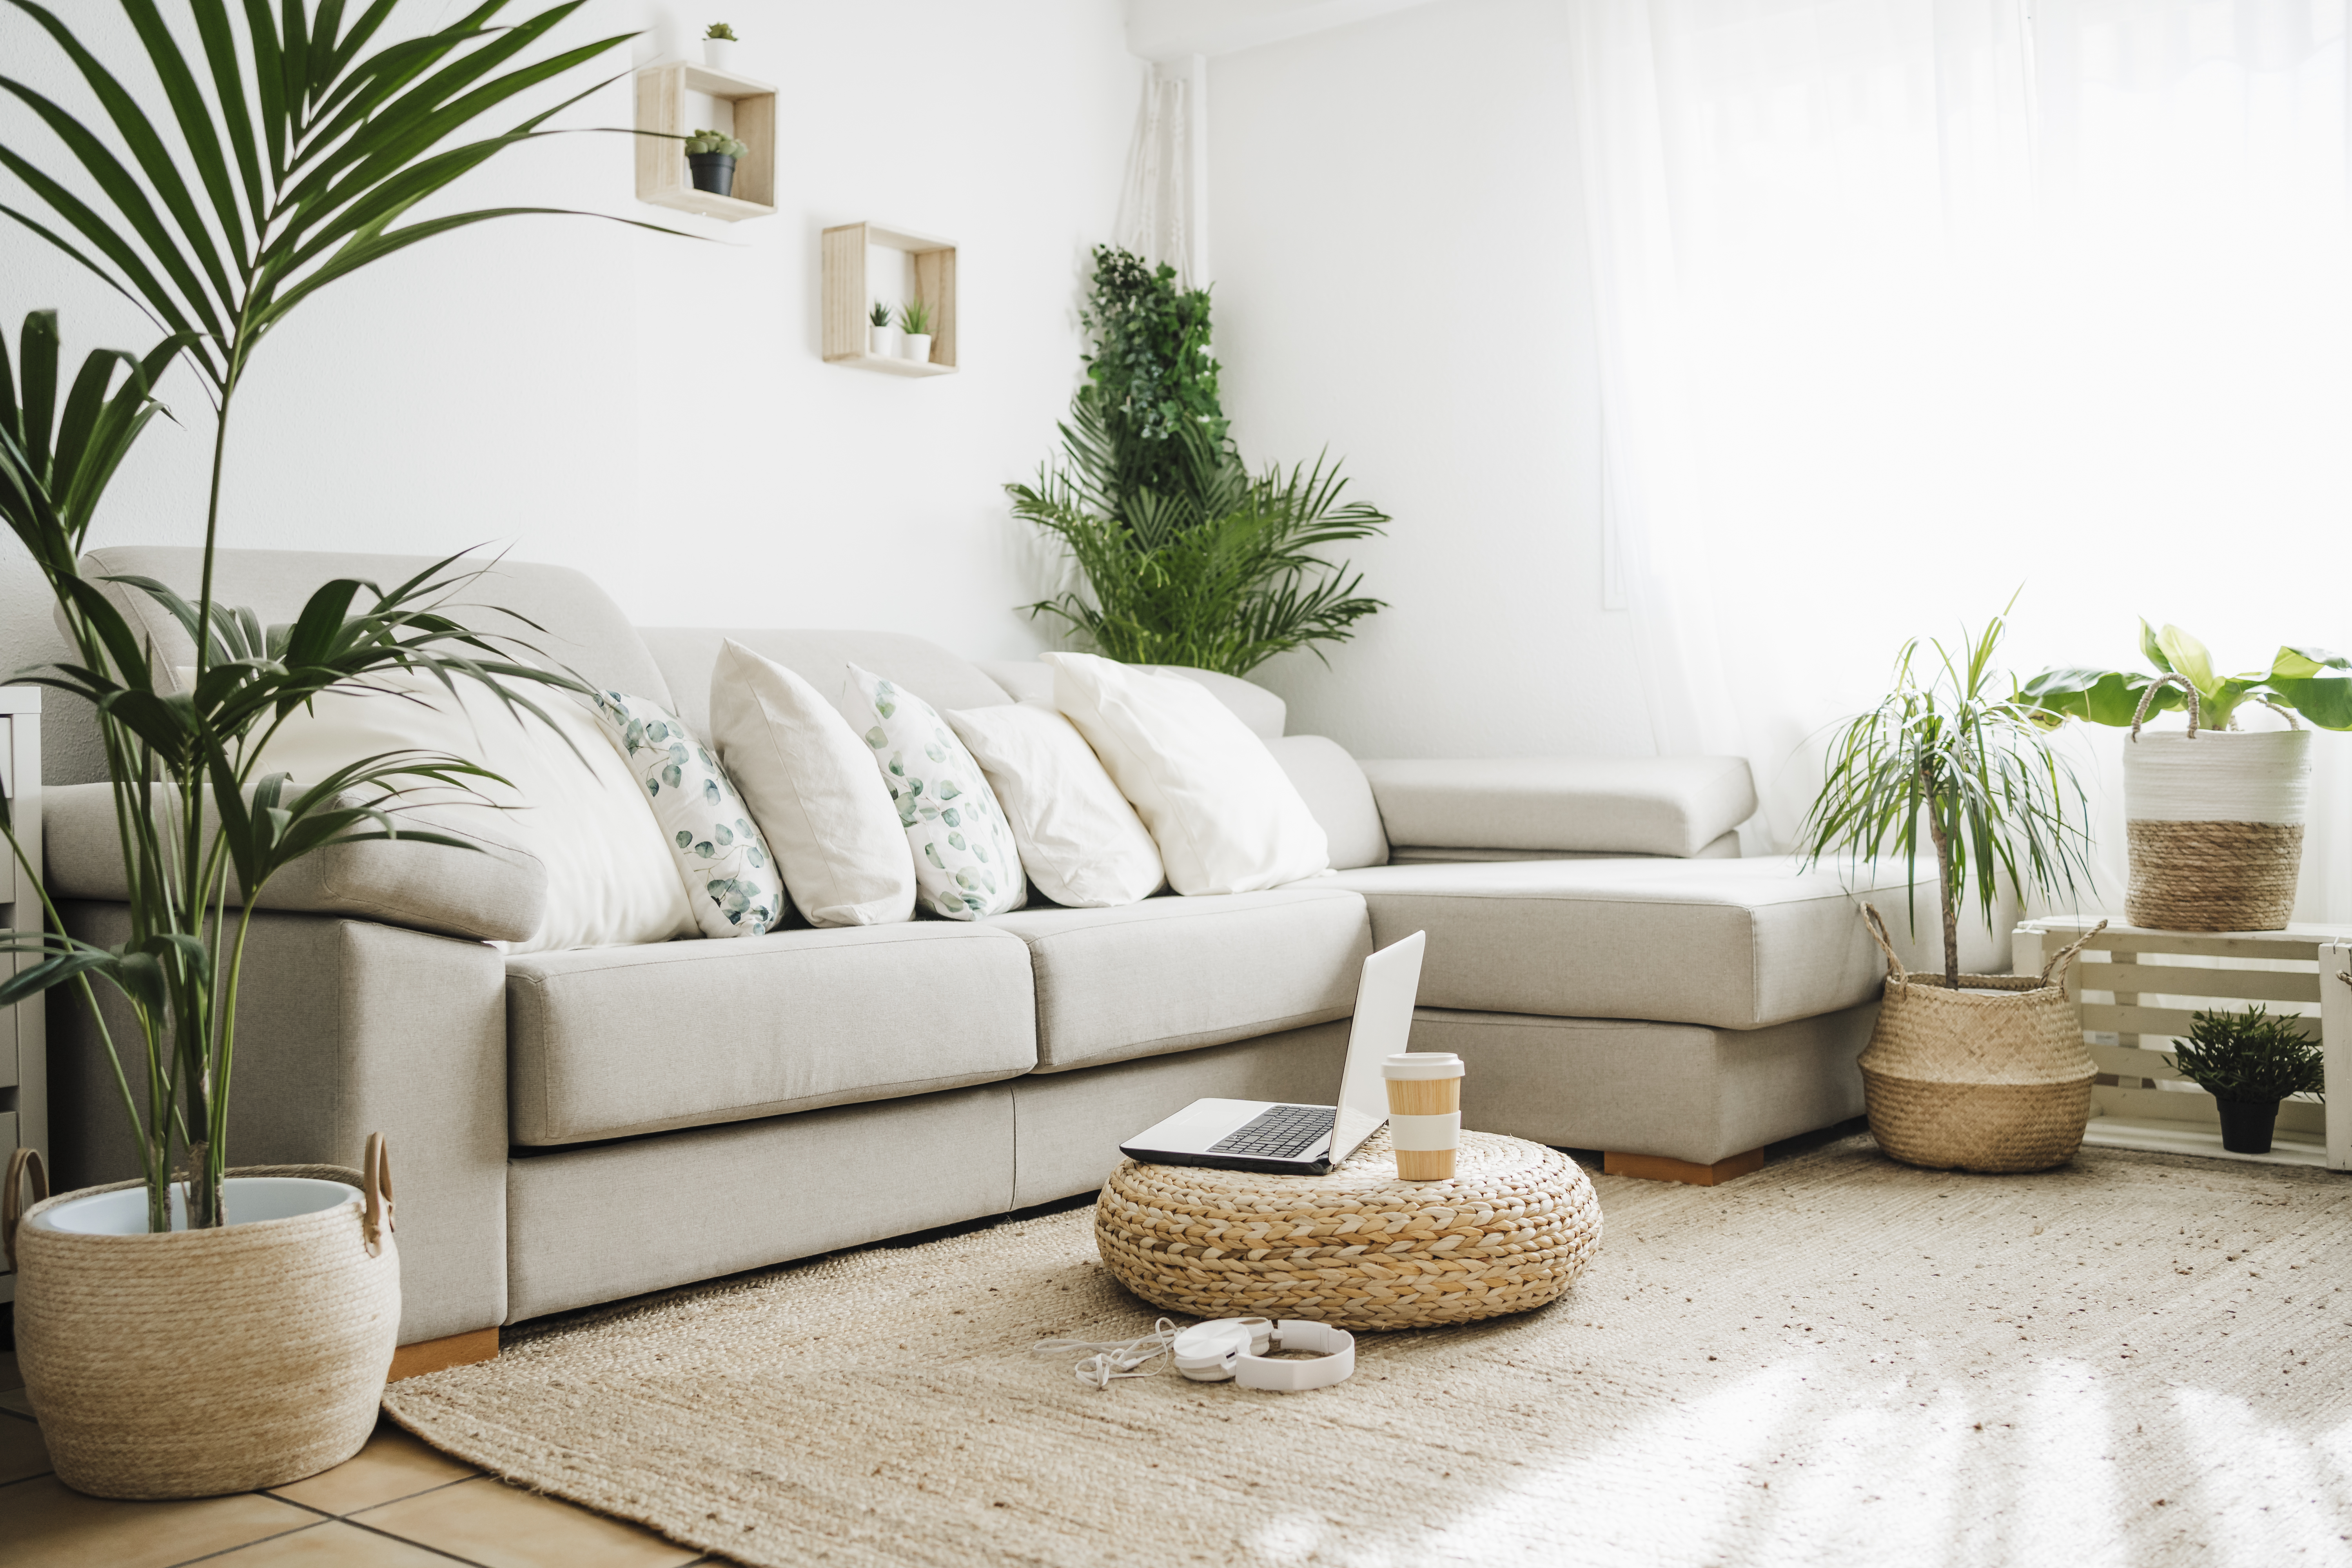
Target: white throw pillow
[
  {"x": 814, "y": 791},
  {"x": 966, "y": 863},
  {"x": 731, "y": 878},
  {"x": 1080, "y": 842},
  {"x": 1225, "y": 816},
  {"x": 573, "y": 803}
]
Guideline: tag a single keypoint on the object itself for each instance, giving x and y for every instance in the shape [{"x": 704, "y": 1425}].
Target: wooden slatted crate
[{"x": 2137, "y": 991}]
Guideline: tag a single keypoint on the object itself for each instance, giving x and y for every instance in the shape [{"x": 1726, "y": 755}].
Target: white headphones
[
  {"x": 1237, "y": 1348},
  {"x": 1224, "y": 1348}
]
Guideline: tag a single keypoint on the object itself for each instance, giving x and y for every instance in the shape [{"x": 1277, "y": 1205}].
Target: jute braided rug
[{"x": 2133, "y": 1360}]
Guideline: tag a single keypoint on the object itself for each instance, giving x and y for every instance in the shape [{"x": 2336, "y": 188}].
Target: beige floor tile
[
  {"x": 14, "y": 1399},
  {"x": 331, "y": 1545},
  {"x": 499, "y": 1526},
  {"x": 9, "y": 1376},
  {"x": 393, "y": 1466},
  {"x": 23, "y": 1455},
  {"x": 43, "y": 1523}
]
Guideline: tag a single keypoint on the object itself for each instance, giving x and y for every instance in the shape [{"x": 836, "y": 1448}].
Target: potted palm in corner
[
  {"x": 1973, "y": 1072},
  {"x": 2214, "y": 814},
  {"x": 203, "y": 1328}
]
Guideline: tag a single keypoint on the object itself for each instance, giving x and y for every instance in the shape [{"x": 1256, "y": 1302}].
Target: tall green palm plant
[
  {"x": 292, "y": 154},
  {"x": 1200, "y": 564},
  {"x": 1947, "y": 749}
]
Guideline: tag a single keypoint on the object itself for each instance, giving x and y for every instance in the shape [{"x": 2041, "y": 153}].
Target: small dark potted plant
[
  {"x": 2248, "y": 1062},
  {"x": 711, "y": 156}
]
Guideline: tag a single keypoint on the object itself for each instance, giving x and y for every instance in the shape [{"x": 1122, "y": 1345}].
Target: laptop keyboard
[{"x": 1279, "y": 1132}]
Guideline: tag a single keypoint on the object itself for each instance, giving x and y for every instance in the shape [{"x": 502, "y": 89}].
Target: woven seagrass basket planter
[
  {"x": 1356, "y": 1248},
  {"x": 193, "y": 1363},
  {"x": 1992, "y": 1077},
  {"x": 2215, "y": 820}
]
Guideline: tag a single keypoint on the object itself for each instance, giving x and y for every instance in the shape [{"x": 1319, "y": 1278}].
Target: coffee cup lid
[{"x": 1409, "y": 1065}]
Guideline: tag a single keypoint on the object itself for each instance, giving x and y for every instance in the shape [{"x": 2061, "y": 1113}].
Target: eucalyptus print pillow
[
  {"x": 731, "y": 878},
  {"x": 966, "y": 864}
]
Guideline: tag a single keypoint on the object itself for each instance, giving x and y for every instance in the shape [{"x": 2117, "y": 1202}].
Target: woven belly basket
[
  {"x": 1970, "y": 1082},
  {"x": 1358, "y": 1249}
]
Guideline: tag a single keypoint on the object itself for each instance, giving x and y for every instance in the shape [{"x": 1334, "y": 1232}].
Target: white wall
[
  {"x": 653, "y": 410},
  {"x": 1400, "y": 268}
]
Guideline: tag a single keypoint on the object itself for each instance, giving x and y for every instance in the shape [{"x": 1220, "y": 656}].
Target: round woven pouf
[{"x": 1356, "y": 1248}]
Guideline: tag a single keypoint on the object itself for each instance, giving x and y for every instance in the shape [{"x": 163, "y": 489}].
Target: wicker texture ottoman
[{"x": 1356, "y": 1248}]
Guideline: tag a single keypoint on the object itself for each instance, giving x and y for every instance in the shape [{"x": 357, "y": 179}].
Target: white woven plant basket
[
  {"x": 2215, "y": 821},
  {"x": 197, "y": 1362}
]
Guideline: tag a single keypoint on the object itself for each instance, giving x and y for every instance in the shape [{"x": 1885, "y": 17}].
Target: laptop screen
[{"x": 1383, "y": 1027}]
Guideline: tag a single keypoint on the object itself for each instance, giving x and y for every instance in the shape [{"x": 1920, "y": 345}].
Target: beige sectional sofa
[{"x": 575, "y": 1127}]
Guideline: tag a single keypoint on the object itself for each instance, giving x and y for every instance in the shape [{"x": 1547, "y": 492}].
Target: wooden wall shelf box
[
  {"x": 663, "y": 177},
  {"x": 846, "y": 296}
]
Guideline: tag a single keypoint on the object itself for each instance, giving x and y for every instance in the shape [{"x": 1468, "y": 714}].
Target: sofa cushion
[
  {"x": 1737, "y": 944},
  {"x": 495, "y": 893},
  {"x": 687, "y": 655},
  {"x": 617, "y": 1041},
  {"x": 1170, "y": 973},
  {"x": 1625, "y": 806},
  {"x": 578, "y": 625},
  {"x": 1334, "y": 789}
]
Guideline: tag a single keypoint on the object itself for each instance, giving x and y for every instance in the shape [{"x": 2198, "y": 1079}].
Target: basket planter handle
[
  {"x": 2055, "y": 970},
  {"x": 2052, "y": 972},
  {"x": 2139, "y": 715},
  {"x": 375, "y": 1194},
  {"x": 23, "y": 1163},
  {"x": 1895, "y": 969}
]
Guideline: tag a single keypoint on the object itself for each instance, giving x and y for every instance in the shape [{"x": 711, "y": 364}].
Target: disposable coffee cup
[{"x": 1424, "y": 1112}]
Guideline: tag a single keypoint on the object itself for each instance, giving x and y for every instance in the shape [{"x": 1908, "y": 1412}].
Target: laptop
[{"x": 1303, "y": 1140}]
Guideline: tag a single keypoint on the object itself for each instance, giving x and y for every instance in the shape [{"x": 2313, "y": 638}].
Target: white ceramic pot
[
  {"x": 882, "y": 340},
  {"x": 719, "y": 53},
  {"x": 917, "y": 346},
  {"x": 191, "y": 1363},
  {"x": 2215, "y": 821}
]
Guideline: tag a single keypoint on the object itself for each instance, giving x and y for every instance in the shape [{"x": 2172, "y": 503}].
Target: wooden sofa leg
[
  {"x": 1658, "y": 1168},
  {"x": 456, "y": 1350}
]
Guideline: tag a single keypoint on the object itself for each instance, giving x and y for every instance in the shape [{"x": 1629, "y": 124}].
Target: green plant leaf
[{"x": 2189, "y": 657}]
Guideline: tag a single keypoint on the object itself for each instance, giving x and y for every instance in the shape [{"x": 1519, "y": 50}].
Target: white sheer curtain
[{"x": 1906, "y": 303}]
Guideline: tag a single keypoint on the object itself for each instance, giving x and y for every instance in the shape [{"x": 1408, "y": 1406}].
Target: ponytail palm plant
[
  {"x": 1949, "y": 751},
  {"x": 289, "y": 152}
]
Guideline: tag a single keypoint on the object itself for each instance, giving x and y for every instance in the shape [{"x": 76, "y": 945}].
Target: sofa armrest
[
  {"x": 1610, "y": 805},
  {"x": 497, "y": 894},
  {"x": 344, "y": 1029}
]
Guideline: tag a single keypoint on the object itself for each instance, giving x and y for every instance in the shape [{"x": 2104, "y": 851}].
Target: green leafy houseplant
[
  {"x": 2298, "y": 678},
  {"x": 295, "y": 172},
  {"x": 722, "y": 32},
  {"x": 1188, "y": 558},
  {"x": 1947, "y": 748},
  {"x": 2252, "y": 1057},
  {"x": 718, "y": 142},
  {"x": 915, "y": 319},
  {"x": 879, "y": 315}
]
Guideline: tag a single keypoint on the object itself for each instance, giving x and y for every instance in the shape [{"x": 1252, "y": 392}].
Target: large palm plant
[
  {"x": 291, "y": 154},
  {"x": 1950, "y": 750},
  {"x": 1195, "y": 562}
]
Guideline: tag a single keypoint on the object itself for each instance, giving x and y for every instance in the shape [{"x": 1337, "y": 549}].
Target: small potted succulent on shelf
[
  {"x": 879, "y": 333},
  {"x": 711, "y": 156},
  {"x": 718, "y": 47},
  {"x": 914, "y": 324},
  {"x": 2248, "y": 1062}
]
